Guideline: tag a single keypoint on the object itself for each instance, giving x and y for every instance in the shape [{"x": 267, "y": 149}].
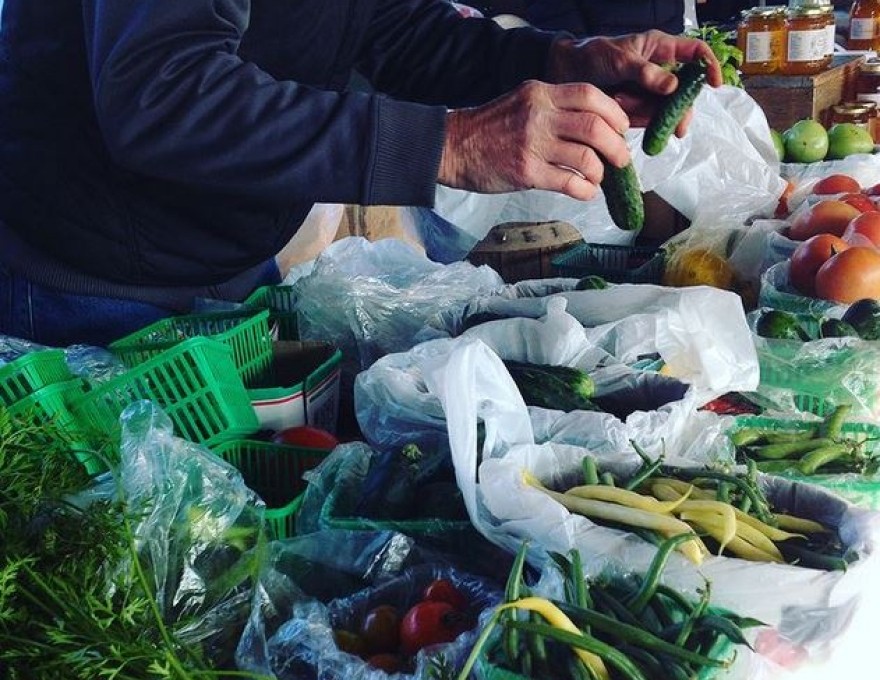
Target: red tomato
[
  {"x": 442, "y": 590},
  {"x": 307, "y": 436},
  {"x": 863, "y": 230},
  {"x": 836, "y": 184},
  {"x": 809, "y": 256},
  {"x": 859, "y": 201},
  {"x": 430, "y": 623},
  {"x": 380, "y": 629},
  {"x": 849, "y": 276},
  {"x": 826, "y": 216}
]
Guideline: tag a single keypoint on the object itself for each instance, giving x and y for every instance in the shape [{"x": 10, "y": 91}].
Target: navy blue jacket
[
  {"x": 181, "y": 142},
  {"x": 606, "y": 17}
]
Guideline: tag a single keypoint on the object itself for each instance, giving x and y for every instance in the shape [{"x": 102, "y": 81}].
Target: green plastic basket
[
  {"x": 245, "y": 332},
  {"x": 55, "y": 402},
  {"x": 274, "y": 472},
  {"x": 195, "y": 382},
  {"x": 31, "y": 372},
  {"x": 337, "y": 513},
  {"x": 280, "y": 301},
  {"x": 614, "y": 263},
  {"x": 863, "y": 490}
]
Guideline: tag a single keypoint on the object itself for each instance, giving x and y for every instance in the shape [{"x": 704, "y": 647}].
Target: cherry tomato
[
  {"x": 380, "y": 629},
  {"x": 390, "y": 663},
  {"x": 442, "y": 590},
  {"x": 307, "y": 436},
  {"x": 431, "y": 623}
]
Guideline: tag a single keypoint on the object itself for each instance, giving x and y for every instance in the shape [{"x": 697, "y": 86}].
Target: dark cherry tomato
[
  {"x": 347, "y": 641},
  {"x": 306, "y": 436},
  {"x": 390, "y": 663},
  {"x": 380, "y": 629},
  {"x": 442, "y": 590},
  {"x": 431, "y": 623}
]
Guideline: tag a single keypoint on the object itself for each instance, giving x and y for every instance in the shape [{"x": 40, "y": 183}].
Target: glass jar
[
  {"x": 760, "y": 36},
  {"x": 867, "y": 85},
  {"x": 864, "y": 25},
  {"x": 806, "y": 50},
  {"x": 858, "y": 113},
  {"x": 827, "y": 7}
]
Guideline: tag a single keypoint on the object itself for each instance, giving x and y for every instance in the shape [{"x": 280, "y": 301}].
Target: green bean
[
  {"x": 591, "y": 474},
  {"x": 512, "y": 592},
  {"x": 646, "y": 471},
  {"x": 634, "y": 634},
  {"x": 819, "y": 457},
  {"x": 833, "y": 423},
  {"x": 789, "y": 449},
  {"x": 690, "y": 621},
  {"x": 581, "y": 594},
  {"x": 684, "y": 604},
  {"x": 607, "y": 604},
  {"x": 619, "y": 660},
  {"x": 607, "y": 479},
  {"x": 804, "y": 557},
  {"x": 720, "y": 625},
  {"x": 652, "y": 667},
  {"x": 757, "y": 500},
  {"x": 655, "y": 570}
]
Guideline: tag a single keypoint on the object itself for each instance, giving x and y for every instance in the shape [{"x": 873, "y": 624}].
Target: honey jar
[
  {"x": 858, "y": 113},
  {"x": 867, "y": 85},
  {"x": 864, "y": 25},
  {"x": 760, "y": 35},
  {"x": 806, "y": 47}
]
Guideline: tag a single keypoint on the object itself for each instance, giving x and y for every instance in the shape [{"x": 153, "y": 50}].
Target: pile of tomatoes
[
  {"x": 388, "y": 638},
  {"x": 838, "y": 257}
]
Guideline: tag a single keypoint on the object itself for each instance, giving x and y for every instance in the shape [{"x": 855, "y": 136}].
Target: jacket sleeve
[
  {"x": 427, "y": 52},
  {"x": 174, "y": 101}
]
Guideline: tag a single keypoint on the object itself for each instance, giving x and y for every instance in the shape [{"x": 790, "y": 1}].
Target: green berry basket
[
  {"x": 195, "y": 382},
  {"x": 245, "y": 332},
  {"x": 280, "y": 301},
  {"x": 55, "y": 403},
  {"x": 614, "y": 263},
  {"x": 274, "y": 472},
  {"x": 862, "y": 490},
  {"x": 30, "y": 372}
]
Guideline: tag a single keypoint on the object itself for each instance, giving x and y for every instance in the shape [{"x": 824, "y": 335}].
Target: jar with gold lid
[
  {"x": 806, "y": 47},
  {"x": 760, "y": 37},
  {"x": 858, "y": 113}
]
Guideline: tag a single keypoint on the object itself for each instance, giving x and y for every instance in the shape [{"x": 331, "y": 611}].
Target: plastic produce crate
[
  {"x": 274, "y": 472},
  {"x": 281, "y": 303},
  {"x": 615, "y": 264},
  {"x": 863, "y": 490},
  {"x": 195, "y": 382},
  {"x": 31, "y": 372},
  {"x": 245, "y": 332},
  {"x": 55, "y": 402}
]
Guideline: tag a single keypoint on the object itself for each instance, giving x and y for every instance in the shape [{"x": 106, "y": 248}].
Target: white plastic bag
[{"x": 315, "y": 233}]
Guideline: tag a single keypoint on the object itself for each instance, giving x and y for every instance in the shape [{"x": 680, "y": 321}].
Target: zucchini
[
  {"x": 691, "y": 78},
  {"x": 562, "y": 388},
  {"x": 623, "y": 194}
]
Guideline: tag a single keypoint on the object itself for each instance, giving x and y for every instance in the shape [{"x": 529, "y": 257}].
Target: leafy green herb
[{"x": 728, "y": 54}]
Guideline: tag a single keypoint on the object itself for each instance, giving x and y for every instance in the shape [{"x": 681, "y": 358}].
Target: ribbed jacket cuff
[{"x": 409, "y": 144}]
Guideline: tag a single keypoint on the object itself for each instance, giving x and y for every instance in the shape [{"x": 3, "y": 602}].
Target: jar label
[
  {"x": 861, "y": 29},
  {"x": 831, "y": 38},
  {"x": 759, "y": 46},
  {"x": 807, "y": 45},
  {"x": 869, "y": 97}
]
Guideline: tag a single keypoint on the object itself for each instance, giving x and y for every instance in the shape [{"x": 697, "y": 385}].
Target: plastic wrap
[
  {"x": 199, "y": 530},
  {"x": 834, "y": 370},
  {"x": 370, "y": 299},
  {"x": 808, "y": 608},
  {"x": 95, "y": 364},
  {"x": 303, "y": 647},
  {"x": 778, "y": 293}
]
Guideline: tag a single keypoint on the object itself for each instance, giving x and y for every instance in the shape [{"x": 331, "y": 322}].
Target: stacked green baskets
[
  {"x": 195, "y": 368},
  {"x": 274, "y": 472},
  {"x": 39, "y": 385},
  {"x": 280, "y": 301}
]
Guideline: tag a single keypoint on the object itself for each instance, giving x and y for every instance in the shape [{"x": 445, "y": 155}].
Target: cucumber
[
  {"x": 691, "y": 78},
  {"x": 623, "y": 194},
  {"x": 562, "y": 388}
]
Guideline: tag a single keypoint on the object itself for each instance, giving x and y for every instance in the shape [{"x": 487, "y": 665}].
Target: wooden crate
[{"x": 788, "y": 99}]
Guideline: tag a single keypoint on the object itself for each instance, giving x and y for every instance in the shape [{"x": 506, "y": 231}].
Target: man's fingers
[
  {"x": 567, "y": 181},
  {"x": 577, "y": 157},
  {"x": 587, "y": 130},
  {"x": 583, "y": 98}
]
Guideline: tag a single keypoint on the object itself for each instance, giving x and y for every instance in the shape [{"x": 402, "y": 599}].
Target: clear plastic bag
[
  {"x": 370, "y": 299},
  {"x": 778, "y": 293}
]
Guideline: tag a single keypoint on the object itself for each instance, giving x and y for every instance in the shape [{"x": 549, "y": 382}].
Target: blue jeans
[{"x": 57, "y": 319}]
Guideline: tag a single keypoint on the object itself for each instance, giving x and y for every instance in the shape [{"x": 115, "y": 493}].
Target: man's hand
[
  {"x": 539, "y": 136},
  {"x": 631, "y": 68}
]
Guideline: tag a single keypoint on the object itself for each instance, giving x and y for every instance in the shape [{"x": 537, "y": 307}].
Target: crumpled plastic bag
[
  {"x": 778, "y": 293},
  {"x": 372, "y": 298},
  {"x": 864, "y": 168},
  {"x": 200, "y": 531}
]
